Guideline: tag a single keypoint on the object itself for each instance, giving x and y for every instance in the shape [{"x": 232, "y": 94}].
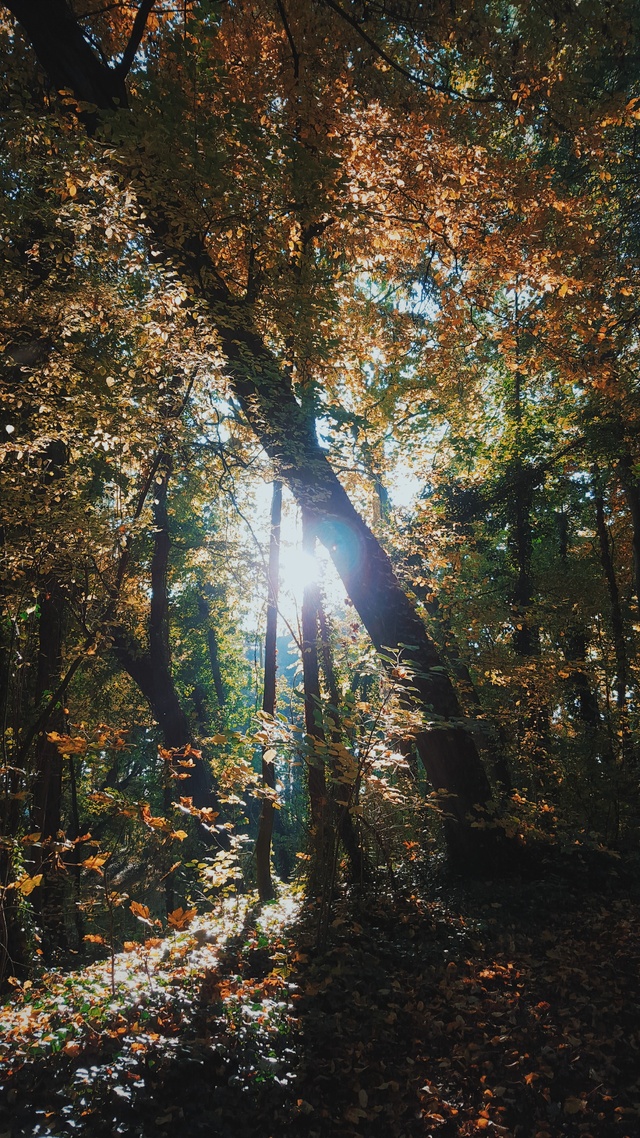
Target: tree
[{"x": 265, "y": 394}]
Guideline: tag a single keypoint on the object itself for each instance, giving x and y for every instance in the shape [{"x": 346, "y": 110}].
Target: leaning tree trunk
[{"x": 264, "y": 392}]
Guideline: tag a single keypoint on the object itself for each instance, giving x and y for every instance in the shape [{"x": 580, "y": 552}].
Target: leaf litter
[{"x": 506, "y": 1009}]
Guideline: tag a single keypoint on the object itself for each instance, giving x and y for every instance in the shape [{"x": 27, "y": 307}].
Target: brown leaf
[
  {"x": 142, "y": 912},
  {"x": 180, "y": 918}
]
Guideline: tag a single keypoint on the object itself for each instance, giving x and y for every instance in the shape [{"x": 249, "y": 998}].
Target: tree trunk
[
  {"x": 492, "y": 738},
  {"x": 344, "y": 820},
  {"x": 48, "y": 900},
  {"x": 212, "y": 648},
  {"x": 631, "y": 487},
  {"x": 150, "y": 669},
  {"x": 574, "y": 648},
  {"x": 214, "y": 661},
  {"x": 265, "y": 828},
  {"x": 617, "y": 621},
  {"x": 573, "y": 640},
  {"x": 321, "y": 822},
  {"x": 47, "y": 786}
]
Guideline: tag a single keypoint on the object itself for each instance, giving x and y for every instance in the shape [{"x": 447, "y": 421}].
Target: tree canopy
[{"x": 384, "y": 255}]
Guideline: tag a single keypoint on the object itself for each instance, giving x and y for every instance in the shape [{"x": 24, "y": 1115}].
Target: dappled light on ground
[{"x": 422, "y": 1017}]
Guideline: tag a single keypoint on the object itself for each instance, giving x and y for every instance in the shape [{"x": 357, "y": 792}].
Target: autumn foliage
[{"x": 374, "y": 264}]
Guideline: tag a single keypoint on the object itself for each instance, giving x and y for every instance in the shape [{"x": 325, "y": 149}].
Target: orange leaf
[
  {"x": 141, "y": 912},
  {"x": 180, "y": 918}
]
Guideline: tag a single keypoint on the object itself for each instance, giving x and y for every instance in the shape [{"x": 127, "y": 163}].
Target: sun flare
[{"x": 298, "y": 569}]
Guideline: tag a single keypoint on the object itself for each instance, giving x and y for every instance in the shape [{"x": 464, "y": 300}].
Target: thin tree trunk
[
  {"x": 214, "y": 661},
  {"x": 212, "y": 648},
  {"x": 526, "y": 634},
  {"x": 344, "y": 820},
  {"x": 321, "y": 822},
  {"x": 47, "y": 786},
  {"x": 574, "y": 648},
  {"x": 46, "y": 802},
  {"x": 617, "y": 620},
  {"x": 631, "y": 487},
  {"x": 45, "y": 777},
  {"x": 265, "y": 828}
]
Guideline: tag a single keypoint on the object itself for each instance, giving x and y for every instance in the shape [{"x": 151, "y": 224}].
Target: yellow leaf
[
  {"x": 27, "y": 884},
  {"x": 96, "y": 862},
  {"x": 563, "y": 290}
]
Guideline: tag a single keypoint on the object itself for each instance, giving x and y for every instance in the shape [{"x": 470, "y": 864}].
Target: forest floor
[{"x": 439, "y": 1008}]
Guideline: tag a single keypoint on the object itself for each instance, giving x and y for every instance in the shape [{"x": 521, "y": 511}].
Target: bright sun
[{"x": 297, "y": 570}]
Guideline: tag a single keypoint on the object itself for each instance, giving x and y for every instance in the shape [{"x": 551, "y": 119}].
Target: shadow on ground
[{"x": 510, "y": 1008}]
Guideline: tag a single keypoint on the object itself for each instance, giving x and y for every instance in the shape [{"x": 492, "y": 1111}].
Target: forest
[{"x": 320, "y": 568}]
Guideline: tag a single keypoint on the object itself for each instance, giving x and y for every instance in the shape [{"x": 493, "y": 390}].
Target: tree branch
[
  {"x": 135, "y": 39},
  {"x": 292, "y": 44},
  {"x": 441, "y": 88}
]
